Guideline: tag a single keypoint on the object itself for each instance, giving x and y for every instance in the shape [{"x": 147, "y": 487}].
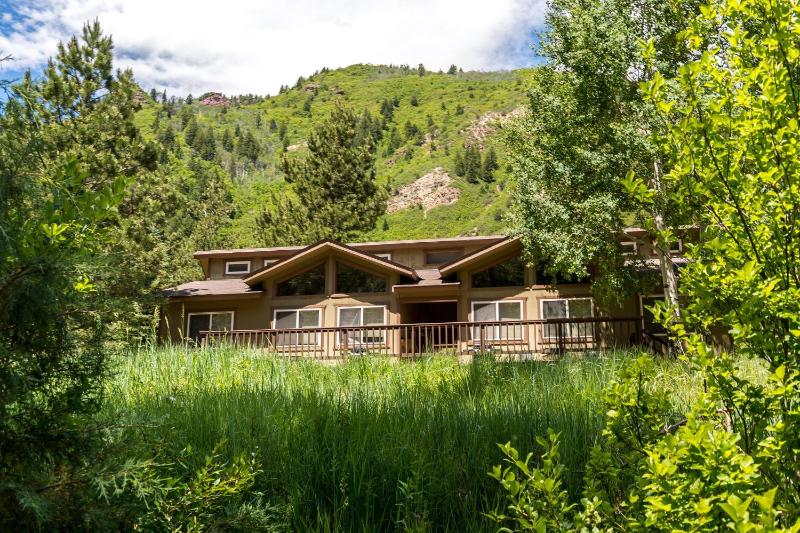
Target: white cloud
[{"x": 252, "y": 46}]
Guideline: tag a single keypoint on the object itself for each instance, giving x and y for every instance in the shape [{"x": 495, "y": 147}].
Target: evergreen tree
[
  {"x": 190, "y": 131},
  {"x": 273, "y": 126},
  {"x": 185, "y": 116},
  {"x": 189, "y": 99},
  {"x": 248, "y": 147},
  {"x": 414, "y": 100},
  {"x": 237, "y": 131},
  {"x": 459, "y": 109},
  {"x": 283, "y": 131},
  {"x": 395, "y": 141},
  {"x": 227, "y": 140},
  {"x": 411, "y": 130},
  {"x": 337, "y": 196},
  {"x": 421, "y": 69},
  {"x": 258, "y": 120},
  {"x": 472, "y": 164},
  {"x": 395, "y": 101},
  {"x": 458, "y": 164},
  {"x": 153, "y": 94},
  {"x": 205, "y": 144},
  {"x": 387, "y": 110},
  {"x": 164, "y": 97},
  {"x": 453, "y": 70},
  {"x": 61, "y": 182},
  {"x": 489, "y": 166},
  {"x": 307, "y": 105}
]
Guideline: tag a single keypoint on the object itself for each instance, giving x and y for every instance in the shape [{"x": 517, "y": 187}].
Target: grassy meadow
[{"x": 369, "y": 444}]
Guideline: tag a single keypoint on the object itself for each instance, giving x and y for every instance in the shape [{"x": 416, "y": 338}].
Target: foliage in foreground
[{"x": 733, "y": 139}]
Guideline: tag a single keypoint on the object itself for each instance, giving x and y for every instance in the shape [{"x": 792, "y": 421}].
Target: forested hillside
[{"x": 438, "y": 148}]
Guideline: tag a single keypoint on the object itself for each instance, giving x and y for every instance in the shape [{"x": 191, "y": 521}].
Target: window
[
  {"x": 362, "y": 316},
  {"x": 386, "y": 256},
  {"x": 211, "y": 321},
  {"x": 497, "y": 311},
  {"x": 629, "y": 248},
  {"x": 352, "y": 280},
  {"x": 311, "y": 282},
  {"x": 440, "y": 257},
  {"x": 648, "y": 320},
  {"x": 297, "y": 319},
  {"x": 269, "y": 262},
  {"x": 567, "y": 308},
  {"x": 237, "y": 267},
  {"x": 507, "y": 274}
]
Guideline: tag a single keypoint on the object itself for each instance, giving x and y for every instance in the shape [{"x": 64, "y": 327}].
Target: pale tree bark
[{"x": 668, "y": 277}]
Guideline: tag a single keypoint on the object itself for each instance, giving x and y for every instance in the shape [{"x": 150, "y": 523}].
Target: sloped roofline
[
  {"x": 200, "y": 254},
  {"x": 461, "y": 262},
  {"x": 262, "y": 273}
]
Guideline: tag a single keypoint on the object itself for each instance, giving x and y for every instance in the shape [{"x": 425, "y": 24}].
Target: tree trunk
[{"x": 668, "y": 277}]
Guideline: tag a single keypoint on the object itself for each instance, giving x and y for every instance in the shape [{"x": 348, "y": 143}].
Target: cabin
[{"x": 461, "y": 295}]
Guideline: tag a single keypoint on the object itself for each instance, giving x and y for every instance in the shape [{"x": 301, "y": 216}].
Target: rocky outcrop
[
  {"x": 214, "y": 100},
  {"x": 489, "y": 123},
  {"x": 431, "y": 190}
]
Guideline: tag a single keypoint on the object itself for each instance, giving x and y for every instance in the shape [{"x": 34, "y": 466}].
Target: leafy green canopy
[
  {"x": 730, "y": 129},
  {"x": 587, "y": 126},
  {"x": 336, "y": 193}
]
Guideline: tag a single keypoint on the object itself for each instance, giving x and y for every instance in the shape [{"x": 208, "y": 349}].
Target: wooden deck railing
[{"x": 512, "y": 337}]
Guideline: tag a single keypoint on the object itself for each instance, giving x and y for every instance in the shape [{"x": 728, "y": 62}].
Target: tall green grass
[{"x": 365, "y": 444}]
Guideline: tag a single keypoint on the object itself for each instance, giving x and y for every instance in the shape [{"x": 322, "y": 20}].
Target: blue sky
[{"x": 255, "y": 46}]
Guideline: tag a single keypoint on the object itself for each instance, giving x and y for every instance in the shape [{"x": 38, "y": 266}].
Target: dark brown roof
[
  {"x": 361, "y": 246},
  {"x": 212, "y": 287}
]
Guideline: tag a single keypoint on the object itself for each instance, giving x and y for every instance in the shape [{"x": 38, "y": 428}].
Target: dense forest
[{"x": 662, "y": 114}]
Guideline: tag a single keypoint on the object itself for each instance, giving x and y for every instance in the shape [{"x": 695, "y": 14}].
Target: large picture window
[
  {"x": 506, "y": 274},
  {"x": 297, "y": 319},
  {"x": 545, "y": 278},
  {"x": 311, "y": 282},
  {"x": 209, "y": 321},
  {"x": 497, "y": 311},
  {"x": 440, "y": 257},
  {"x": 567, "y": 308},
  {"x": 361, "y": 316},
  {"x": 350, "y": 280}
]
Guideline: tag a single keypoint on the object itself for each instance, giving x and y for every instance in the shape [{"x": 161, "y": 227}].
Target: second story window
[
  {"x": 629, "y": 248},
  {"x": 506, "y": 274},
  {"x": 440, "y": 257},
  {"x": 351, "y": 280},
  {"x": 310, "y": 282},
  {"x": 237, "y": 267}
]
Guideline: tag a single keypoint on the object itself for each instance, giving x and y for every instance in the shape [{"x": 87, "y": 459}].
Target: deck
[{"x": 517, "y": 338}]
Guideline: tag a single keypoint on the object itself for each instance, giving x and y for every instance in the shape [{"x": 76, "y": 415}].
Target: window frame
[
  {"x": 384, "y": 277},
  {"x": 296, "y": 311},
  {"x": 384, "y": 255},
  {"x": 294, "y": 275},
  {"x": 269, "y": 262},
  {"x": 361, "y": 308},
  {"x": 642, "y": 298},
  {"x": 459, "y": 251},
  {"x": 635, "y": 247},
  {"x": 496, "y": 337},
  {"x": 196, "y": 313},
  {"x": 229, "y": 263},
  {"x": 568, "y": 317}
]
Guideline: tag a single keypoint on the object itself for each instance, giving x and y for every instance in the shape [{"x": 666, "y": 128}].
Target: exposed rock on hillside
[
  {"x": 431, "y": 190},
  {"x": 214, "y": 99},
  {"x": 489, "y": 123}
]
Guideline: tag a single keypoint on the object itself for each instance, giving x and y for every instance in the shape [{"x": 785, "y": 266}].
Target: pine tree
[
  {"x": 189, "y": 99},
  {"x": 227, "y": 140},
  {"x": 185, "y": 116},
  {"x": 472, "y": 164},
  {"x": 458, "y": 164},
  {"x": 237, "y": 131},
  {"x": 421, "y": 69},
  {"x": 258, "y": 120},
  {"x": 337, "y": 196},
  {"x": 387, "y": 110},
  {"x": 453, "y": 70},
  {"x": 153, "y": 94},
  {"x": 411, "y": 130},
  {"x": 414, "y": 100},
  {"x": 164, "y": 97},
  {"x": 190, "y": 131},
  {"x": 489, "y": 166}
]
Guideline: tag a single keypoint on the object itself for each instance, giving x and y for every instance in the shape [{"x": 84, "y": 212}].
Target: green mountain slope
[{"x": 432, "y": 117}]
